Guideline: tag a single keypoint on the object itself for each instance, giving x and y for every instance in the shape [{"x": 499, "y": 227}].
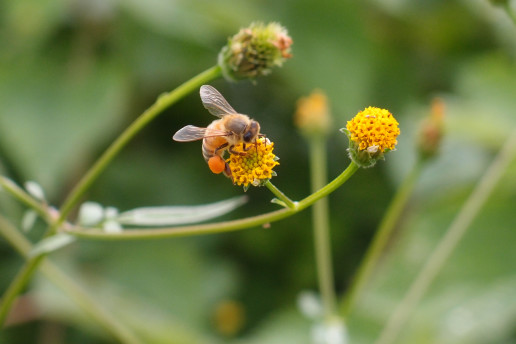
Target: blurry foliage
[{"x": 74, "y": 73}]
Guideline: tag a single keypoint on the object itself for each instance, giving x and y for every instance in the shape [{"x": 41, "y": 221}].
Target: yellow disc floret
[
  {"x": 374, "y": 128},
  {"x": 255, "y": 167}
]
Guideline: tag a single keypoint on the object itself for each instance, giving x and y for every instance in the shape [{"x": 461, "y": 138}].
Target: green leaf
[
  {"x": 279, "y": 202},
  {"x": 177, "y": 215},
  {"x": 28, "y": 220},
  {"x": 35, "y": 190},
  {"x": 51, "y": 244}
]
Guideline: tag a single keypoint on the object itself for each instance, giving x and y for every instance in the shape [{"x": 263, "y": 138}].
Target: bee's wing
[
  {"x": 215, "y": 102},
  {"x": 193, "y": 133}
]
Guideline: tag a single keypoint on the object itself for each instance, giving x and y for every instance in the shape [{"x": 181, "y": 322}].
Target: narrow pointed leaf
[
  {"x": 178, "y": 215},
  {"x": 51, "y": 244},
  {"x": 28, "y": 220}
]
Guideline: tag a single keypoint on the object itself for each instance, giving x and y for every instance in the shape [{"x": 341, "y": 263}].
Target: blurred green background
[{"x": 75, "y": 73}]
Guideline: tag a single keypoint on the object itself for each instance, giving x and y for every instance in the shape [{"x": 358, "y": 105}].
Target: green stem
[
  {"x": 163, "y": 101},
  {"x": 452, "y": 237},
  {"x": 321, "y": 226},
  {"x": 281, "y": 196},
  {"x": 73, "y": 198},
  {"x": 218, "y": 227},
  {"x": 91, "y": 307},
  {"x": 16, "y": 286},
  {"x": 22, "y": 196},
  {"x": 510, "y": 12},
  {"x": 381, "y": 239}
]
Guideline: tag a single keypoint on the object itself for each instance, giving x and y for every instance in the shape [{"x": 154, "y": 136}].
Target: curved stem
[
  {"x": 163, "y": 101},
  {"x": 509, "y": 11},
  {"x": 381, "y": 238},
  {"x": 22, "y": 196},
  {"x": 330, "y": 187},
  {"x": 16, "y": 286},
  {"x": 218, "y": 227},
  {"x": 451, "y": 238},
  {"x": 321, "y": 226}
]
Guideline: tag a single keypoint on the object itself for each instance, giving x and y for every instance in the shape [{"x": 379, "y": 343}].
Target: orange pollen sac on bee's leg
[{"x": 216, "y": 164}]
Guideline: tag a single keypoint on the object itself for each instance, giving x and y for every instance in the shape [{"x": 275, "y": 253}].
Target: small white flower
[
  {"x": 112, "y": 226},
  {"x": 90, "y": 214},
  {"x": 331, "y": 331},
  {"x": 35, "y": 190},
  {"x": 28, "y": 220},
  {"x": 372, "y": 149},
  {"x": 110, "y": 213},
  {"x": 309, "y": 303}
]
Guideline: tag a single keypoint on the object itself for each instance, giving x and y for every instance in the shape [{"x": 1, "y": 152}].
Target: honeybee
[{"x": 222, "y": 134}]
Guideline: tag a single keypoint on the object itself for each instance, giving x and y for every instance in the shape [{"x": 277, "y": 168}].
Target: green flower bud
[{"x": 254, "y": 50}]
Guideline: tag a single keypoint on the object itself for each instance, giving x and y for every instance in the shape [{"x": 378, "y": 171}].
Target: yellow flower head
[
  {"x": 255, "y": 167},
  {"x": 371, "y": 133}
]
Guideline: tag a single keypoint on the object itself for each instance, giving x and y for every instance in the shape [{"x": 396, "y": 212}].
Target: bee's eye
[{"x": 248, "y": 136}]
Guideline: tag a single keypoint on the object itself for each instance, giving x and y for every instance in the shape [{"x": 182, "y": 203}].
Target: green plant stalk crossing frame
[
  {"x": 91, "y": 307},
  {"x": 218, "y": 227},
  {"x": 381, "y": 238},
  {"x": 509, "y": 11},
  {"x": 321, "y": 226},
  {"x": 449, "y": 241},
  {"x": 165, "y": 100},
  {"x": 22, "y": 196}
]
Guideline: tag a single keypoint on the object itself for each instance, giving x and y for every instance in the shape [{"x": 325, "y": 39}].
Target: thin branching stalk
[
  {"x": 17, "y": 284},
  {"x": 217, "y": 227},
  {"x": 452, "y": 237},
  {"x": 281, "y": 196},
  {"x": 321, "y": 226},
  {"x": 82, "y": 298},
  {"x": 22, "y": 196},
  {"x": 509, "y": 11},
  {"x": 381, "y": 239},
  {"x": 163, "y": 101}
]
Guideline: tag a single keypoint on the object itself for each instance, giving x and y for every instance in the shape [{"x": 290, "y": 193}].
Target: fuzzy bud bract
[{"x": 254, "y": 51}]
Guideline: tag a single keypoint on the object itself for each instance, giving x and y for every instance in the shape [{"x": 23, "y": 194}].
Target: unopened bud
[
  {"x": 312, "y": 116},
  {"x": 431, "y": 131},
  {"x": 254, "y": 50}
]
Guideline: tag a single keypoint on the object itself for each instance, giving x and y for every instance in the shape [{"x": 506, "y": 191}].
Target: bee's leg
[
  {"x": 221, "y": 147},
  {"x": 232, "y": 151},
  {"x": 227, "y": 172},
  {"x": 264, "y": 141},
  {"x": 245, "y": 148}
]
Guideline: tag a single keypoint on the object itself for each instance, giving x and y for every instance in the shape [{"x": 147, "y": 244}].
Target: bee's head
[{"x": 252, "y": 131}]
